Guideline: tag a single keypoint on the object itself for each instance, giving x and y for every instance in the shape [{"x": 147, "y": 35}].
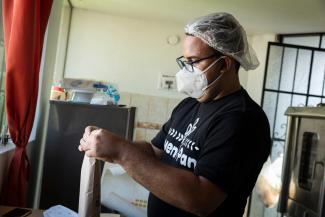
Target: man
[{"x": 206, "y": 158}]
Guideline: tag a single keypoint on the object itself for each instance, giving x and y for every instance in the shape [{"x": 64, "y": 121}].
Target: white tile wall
[
  {"x": 141, "y": 103},
  {"x": 140, "y": 134},
  {"x": 158, "y": 107},
  {"x": 125, "y": 99},
  {"x": 149, "y": 109},
  {"x": 172, "y": 103},
  {"x": 150, "y": 134}
]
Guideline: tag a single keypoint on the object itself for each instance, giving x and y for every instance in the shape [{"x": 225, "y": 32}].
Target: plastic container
[
  {"x": 83, "y": 96},
  {"x": 57, "y": 93}
]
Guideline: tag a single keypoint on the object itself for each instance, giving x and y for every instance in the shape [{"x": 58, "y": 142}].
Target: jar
[{"x": 57, "y": 93}]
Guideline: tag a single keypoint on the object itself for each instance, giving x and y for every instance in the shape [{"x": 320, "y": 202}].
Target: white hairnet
[{"x": 223, "y": 32}]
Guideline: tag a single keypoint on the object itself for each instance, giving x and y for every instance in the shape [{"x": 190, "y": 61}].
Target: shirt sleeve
[
  {"x": 159, "y": 139},
  {"x": 220, "y": 159}
]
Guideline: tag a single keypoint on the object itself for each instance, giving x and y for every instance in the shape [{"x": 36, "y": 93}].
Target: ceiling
[{"x": 257, "y": 16}]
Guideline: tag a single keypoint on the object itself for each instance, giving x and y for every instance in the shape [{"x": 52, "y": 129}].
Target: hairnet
[{"x": 223, "y": 32}]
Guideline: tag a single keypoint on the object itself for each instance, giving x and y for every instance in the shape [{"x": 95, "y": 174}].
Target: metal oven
[{"x": 303, "y": 177}]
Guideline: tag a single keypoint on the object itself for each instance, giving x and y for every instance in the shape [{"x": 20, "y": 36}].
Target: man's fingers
[
  {"x": 85, "y": 136},
  {"x": 89, "y": 129},
  {"x": 83, "y": 145}
]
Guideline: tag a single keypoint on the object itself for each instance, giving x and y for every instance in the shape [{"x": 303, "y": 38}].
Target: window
[
  {"x": 315, "y": 40},
  {"x": 294, "y": 76},
  {"x": 2, "y": 84},
  {"x": 3, "y": 120}
]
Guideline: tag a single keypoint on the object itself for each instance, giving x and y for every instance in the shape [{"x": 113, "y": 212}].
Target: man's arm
[
  {"x": 175, "y": 186},
  {"x": 148, "y": 148},
  {"x": 178, "y": 187}
]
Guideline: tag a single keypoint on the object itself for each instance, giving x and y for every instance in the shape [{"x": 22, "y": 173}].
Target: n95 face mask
[{"x": 193, "y": 83}]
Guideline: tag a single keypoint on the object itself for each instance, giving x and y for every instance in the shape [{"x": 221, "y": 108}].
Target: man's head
[
  {"x": 223, "y": 33},
  {"x": 217, "y": 45}
]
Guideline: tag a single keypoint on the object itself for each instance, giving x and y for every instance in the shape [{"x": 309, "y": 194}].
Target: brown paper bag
[{"x": 89, "y": 196}]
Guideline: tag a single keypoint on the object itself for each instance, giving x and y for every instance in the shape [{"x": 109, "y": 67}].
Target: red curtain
[{"x": 24, "y": 23}]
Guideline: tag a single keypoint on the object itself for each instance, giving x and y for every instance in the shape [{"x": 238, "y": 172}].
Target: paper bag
[{"x": 89, "y": 196}]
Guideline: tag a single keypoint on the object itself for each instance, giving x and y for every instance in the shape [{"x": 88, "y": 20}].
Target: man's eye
[
  {"x": 187, "y": 62},
  {"x": 190, "y": 61}
]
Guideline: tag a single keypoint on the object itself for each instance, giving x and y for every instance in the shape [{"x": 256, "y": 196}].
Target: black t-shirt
[{"x": 225, "y": 140}]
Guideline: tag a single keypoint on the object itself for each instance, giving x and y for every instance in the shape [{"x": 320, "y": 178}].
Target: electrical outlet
[{"x": 167, "y": 82}]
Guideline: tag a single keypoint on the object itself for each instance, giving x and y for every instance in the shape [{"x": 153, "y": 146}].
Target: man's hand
[
  {"x": 101, "y": 144},
  {"x": 195, "y": 194}
]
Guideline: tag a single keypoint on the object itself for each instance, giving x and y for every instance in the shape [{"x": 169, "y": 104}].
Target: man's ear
[{"x": 228, "y": 62}]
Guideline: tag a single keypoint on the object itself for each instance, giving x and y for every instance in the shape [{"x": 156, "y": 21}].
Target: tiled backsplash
[{"x": 151, "y": 113}]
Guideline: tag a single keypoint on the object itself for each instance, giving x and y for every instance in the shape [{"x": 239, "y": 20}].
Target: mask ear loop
[
  {"x": 212, "y": 64},
  {"x": 217, "y": 78}
]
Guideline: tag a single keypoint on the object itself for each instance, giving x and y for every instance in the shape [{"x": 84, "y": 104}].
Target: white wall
[
  {"x": 255, "y": 77},
  {"x": 133, "y": 52},
  {"x": 63, "y": 35},
  {"x": 129, "y": 52}
]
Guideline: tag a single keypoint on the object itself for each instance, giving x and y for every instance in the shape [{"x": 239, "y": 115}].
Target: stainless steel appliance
[{"x": 303, "y": 180}]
